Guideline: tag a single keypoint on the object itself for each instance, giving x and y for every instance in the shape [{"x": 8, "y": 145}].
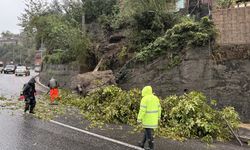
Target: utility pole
[
  {"x": 20, "y": 56},
  {"x": 41, "y": 49},
  {"x": 83, "y": 24},
  {"x": 13, "y": 53}
]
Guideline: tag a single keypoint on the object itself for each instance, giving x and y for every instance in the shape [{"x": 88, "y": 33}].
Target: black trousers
[
  {"x": 148, "y": 136},
  {"x": 30, "y": 104}
]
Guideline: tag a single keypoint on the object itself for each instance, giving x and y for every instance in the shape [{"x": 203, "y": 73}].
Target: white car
[{"x": 22, "y": 71}]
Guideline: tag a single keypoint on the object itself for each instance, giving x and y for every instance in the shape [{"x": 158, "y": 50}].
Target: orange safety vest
[{"x": 54, "y": 94}]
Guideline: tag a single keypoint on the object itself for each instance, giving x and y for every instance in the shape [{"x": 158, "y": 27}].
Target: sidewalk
[
  {"x": 244, "y": 132},
  {"x": 245, "y": 126}
]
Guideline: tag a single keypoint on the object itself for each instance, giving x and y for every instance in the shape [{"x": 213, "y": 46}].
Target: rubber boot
[
  {"x": 151, "y": 144},
  {"x": 26, "y": 107},
  {"x": 32, "y": 106},
  {"x": 141, "y": 144},
  {"x": 32, "y": 110}
]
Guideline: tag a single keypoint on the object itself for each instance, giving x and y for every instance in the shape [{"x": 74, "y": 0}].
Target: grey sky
[{"x": 9, "y": 11}]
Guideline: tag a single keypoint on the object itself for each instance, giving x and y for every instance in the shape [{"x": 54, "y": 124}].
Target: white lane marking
[{"x": 97, "y": 135}]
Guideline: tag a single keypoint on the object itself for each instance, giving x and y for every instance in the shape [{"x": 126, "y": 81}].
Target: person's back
[
  {"x": 149, "y": 115},
  {"x": 29, "y": 91},
  {"x": 54, "y": 92},
  {"x": 152, "y": 113}
]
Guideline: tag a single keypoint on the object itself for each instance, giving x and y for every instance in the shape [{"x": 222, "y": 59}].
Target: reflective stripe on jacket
[{"x": 150, "y": 109}]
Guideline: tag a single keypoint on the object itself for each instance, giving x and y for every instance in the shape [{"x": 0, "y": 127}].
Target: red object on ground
[
  {"x": 21, "y": 98},
  {"x": 54, "y": 94}
]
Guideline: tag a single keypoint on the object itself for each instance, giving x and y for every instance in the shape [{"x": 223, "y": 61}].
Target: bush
[
  {"x": 147, "y": 26},
  {"x": 144, "y": 21},
  {"x": 187, "y": 116},
  {"x": 59, "y": 58},
  {"x": 109, "y": 105},
  {"x": 188, "y": 33},
  {"x": 190, "y": 116},
  {"x": 96, "y": 8}
]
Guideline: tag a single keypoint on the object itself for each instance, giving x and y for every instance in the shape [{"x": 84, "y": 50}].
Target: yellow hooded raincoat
[{"x": 150, "y": 109}]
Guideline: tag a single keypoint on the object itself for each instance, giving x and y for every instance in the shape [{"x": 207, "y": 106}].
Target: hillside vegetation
[{"x": 150, "y": 27}]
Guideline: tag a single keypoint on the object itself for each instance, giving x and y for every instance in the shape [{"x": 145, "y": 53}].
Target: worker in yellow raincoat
[{"x": 149, "y": 115}]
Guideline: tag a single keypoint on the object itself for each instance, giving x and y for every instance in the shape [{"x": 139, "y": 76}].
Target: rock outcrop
[{"x": 92, "y": 81}]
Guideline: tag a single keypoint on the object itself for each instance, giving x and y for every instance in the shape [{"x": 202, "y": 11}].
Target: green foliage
[
  {"x": 122, "y": 54},
  {"x": 45, "y": 111},
  {"x": 147, "y": 26},
  {"x": 131, "y": 7},
  {"x": 7, "y": 34},
  {"x": 2, "y": 98},
  {"x": 59, "y": 58},
  {"x": 229, "y": 114},
  {"x": 96, "y": 8},
  {"x": 190, "y": 116},
  {"x": 57, "y": 33},
  {"x": 186, "y": 116},
  {"x": 188, "y": 33},
  {"x": 109, "y": 105},
  {"x": 74, "y": 11},
  {"x": 58, "y": 26},
  {"x": 144, "y": 21}
]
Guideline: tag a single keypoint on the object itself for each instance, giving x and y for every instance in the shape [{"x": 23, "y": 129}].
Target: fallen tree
[{"x": 186, "y": 116}]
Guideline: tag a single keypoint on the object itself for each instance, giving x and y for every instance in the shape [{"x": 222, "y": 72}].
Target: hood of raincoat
[
  {"x": 147, "y": 90},
  {"x": 32, "y": 81}
]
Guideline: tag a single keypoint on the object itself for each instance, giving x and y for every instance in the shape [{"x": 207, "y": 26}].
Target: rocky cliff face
[
  {"x": 92, "y": 81},
  {"x": 228, "y": 81}
]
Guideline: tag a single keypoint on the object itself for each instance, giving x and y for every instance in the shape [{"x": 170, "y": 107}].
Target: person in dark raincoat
[{"x": 29, "y": 94}]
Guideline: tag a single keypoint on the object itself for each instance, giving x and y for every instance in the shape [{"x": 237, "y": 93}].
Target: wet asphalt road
[
  {"x": 19, "y": 131},
  {"x": 23, "y": 132},
  {"x": 10, "y": 85}
]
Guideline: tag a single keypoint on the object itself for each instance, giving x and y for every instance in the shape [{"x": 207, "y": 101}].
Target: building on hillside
[
  {"x": 9, "y": 40},
  {"x": 242, "y": 3}
]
